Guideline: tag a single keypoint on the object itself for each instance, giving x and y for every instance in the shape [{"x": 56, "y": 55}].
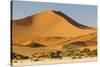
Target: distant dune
[{"x": 51, "y": 30}]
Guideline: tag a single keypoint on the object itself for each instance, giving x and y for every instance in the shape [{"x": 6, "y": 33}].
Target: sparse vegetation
[
  {"x": 54, "y": 54},
  {"x": 18, "y": 56},
  {"x": 57, "y": 54}
]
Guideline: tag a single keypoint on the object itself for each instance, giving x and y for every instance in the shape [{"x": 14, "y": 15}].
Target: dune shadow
[
  {"x": 74, "y": 45},
  {"x": 27, "y": 21},
  {"x": 73, "y": 22},
  {"x": 36, "y": 45}
]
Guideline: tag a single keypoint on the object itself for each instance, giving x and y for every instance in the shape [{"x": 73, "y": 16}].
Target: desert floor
[{"x": 53, "y": 61}]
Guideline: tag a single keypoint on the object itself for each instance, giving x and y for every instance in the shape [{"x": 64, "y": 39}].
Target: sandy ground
[{"x": 21, "y": 63}]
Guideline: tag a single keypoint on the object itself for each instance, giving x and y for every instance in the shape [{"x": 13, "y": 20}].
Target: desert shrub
[
  {"x": 85, "y": 50},
  {"x": 38, "y": 56},
  {"x": 74, "y": 57},
  {"x": 18, "y": 56},
  {"x": 94, "y": 52},
  {"x": 54, "y": 54},
  {"x": 15, "y": 61},
  {"x": 89, "y": 53},
  {"x": 68, "y": 53},
  {"x": 50, "y": 54},
  {"x": 37, "y": 59},
  {"x": 73, "y": 52},
  {"x": 13, "y": 55},
  {"x": 76, "y": 53},
  {"x": 65, "y": 53},
  {"x": 25, "y": 57}
]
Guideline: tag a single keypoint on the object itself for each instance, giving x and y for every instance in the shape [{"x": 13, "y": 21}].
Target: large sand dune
[{"x": 48, "y": 28}]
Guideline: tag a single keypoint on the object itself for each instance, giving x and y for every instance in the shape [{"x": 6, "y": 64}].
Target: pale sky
[{"x": 84, "y": 14}]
